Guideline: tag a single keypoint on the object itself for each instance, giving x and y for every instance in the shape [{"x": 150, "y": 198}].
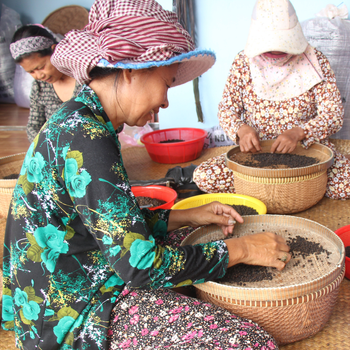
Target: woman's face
[
  {"x": 40, "y": 68},
  {"x": 145, "y": 93}
]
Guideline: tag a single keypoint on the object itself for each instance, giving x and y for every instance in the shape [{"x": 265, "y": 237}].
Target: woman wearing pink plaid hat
[
  {"x": 279, "y": 88},
  {"x": 84, "y": 266}
]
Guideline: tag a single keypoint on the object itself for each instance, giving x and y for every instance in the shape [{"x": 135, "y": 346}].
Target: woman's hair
[
  {"x": 101, "y": 72},
  {"x": 28, "y": 31}
]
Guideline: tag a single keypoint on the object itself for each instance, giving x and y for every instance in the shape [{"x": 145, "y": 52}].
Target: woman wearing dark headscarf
[
  {"x": 84, "y": 266},
  {"x": 32, "y": 47},
  {"x": 279, "y": 88}
]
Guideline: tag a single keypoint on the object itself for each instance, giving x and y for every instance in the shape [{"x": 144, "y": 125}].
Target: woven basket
[
  {"x": 284, "y": 191},
  {"x": 297, "y": 302},
  {"x": 67, "y": 18},
  {"x": 8, "y": 165}
]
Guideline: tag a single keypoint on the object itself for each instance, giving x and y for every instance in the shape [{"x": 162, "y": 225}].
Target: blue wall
[{"x": 222, "y": 27}]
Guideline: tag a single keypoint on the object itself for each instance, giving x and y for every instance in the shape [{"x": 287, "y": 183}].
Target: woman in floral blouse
[
  {"x": 279, "y": 88},
  {"x": 32, "y": 47},
  {"x": 84, "y": 266}
]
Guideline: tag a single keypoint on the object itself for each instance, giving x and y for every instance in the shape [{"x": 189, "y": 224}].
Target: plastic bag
[
  {"x": 216, "y": 138},
  {"x": 22, "y": 86},
  {"x": 332, "y": 11},
  {"x": 9, "y": 23},
  {"x": 332, "y": 38},
  {"x": 183, "y": 179},
  {"x": 178, "y": 178},
  {"x": 130, "y": 136}
]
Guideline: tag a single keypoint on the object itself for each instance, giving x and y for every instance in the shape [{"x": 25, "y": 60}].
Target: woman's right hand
[
  {"x": 248, "y": 139},
  {"x": 263, "y": 249}
]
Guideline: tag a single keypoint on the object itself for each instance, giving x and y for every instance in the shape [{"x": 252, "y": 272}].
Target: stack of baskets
[
  {"x": 10, "y": 165},
  {"x": 299, "y": 300},
  {"x": 284, "y": 191}
]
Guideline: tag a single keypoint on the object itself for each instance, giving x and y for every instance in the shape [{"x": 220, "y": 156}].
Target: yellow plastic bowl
[{"x": 225, "y": 198}]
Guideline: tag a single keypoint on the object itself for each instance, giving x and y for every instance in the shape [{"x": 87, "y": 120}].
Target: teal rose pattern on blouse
[
  {"x": 52, "y": 241},
  {"x": 76, "y": 178},
  {"x": 7, "y": 308},
  {"x": 113, "y": 251},
  {"x": 63, "y": 327},
  {"x": 29, "y": 310},
  {"x": 142, "y": 253},
  {"x": 33, "y": 169},
  {"x": 69, "y": 255}
]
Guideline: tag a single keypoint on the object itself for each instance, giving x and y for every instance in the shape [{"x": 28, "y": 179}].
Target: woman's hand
[
  {"x": 263, "y": 249},
  {"x": 212, "y": 213},
  {"x": 287, "y": 142},
  {"x": 248, "y": 139}
]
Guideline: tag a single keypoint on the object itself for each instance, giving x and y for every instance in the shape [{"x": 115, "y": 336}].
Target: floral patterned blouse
[
  {"x": 76, "y": 236},
  {"x": 44, "y": 102},
  {"x": 318, "y": 111}
]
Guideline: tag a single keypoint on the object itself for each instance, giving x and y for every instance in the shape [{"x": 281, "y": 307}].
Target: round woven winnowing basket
[
  {"x": 284, "y": 191},
  {"x": 66, "y": 18},
  {"x": 298, "y": 301},
  {"x": 8, "y": 165}
]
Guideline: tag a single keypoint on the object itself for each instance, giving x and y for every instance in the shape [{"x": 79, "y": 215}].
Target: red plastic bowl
[
  {"x": 174, "y": 152},
  {"x": 344, "y": 235},
  {"x": 163, "y": 193}
]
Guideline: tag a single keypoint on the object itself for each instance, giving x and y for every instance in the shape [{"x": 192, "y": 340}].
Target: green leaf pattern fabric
[{"x": 76, "y": 237}]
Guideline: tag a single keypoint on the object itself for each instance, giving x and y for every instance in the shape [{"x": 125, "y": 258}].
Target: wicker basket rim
[
  {"x": 11, "y": 158},
  {"x": 290, "y": 301},
  {"x": 289, "y": 172},
  {"x": 9, "y": 183},
  {"x": 290, "y": 288}
]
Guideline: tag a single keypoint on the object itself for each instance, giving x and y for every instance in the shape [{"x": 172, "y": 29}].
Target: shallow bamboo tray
[
  {"x": 8, "y": 165},
  {"x": 297, "y": 302},
  {"x": 284, "y": 191}
]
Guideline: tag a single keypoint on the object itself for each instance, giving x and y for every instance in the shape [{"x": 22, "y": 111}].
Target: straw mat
[
  {"x": 330, "y": 213},
  {"x": 140, "y": 166}
]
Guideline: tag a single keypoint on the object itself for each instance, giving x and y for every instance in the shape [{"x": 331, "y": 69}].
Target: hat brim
[
  {"x": 291, "y": 41},
  {"x": 192, "y": 65}
]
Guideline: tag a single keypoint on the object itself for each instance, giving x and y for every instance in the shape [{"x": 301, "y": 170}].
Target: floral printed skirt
[
  {"x": 213, "y": 176},
  {"x": 164, "y": 319}
]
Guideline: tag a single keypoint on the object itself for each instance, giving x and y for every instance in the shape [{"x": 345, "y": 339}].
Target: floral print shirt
[
  {"x": 318, "y": 111},
  {"x": 44, "y": 102},
  {"x": 76, "y": 236}
]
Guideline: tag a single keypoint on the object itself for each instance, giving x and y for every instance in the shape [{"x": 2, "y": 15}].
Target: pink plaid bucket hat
[{"x": 134, "y": 34}]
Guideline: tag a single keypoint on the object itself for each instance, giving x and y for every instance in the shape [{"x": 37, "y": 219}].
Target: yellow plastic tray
[{"x": 226, "y": 198}]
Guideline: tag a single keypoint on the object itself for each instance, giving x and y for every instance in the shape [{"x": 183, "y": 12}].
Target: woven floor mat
[
  {"x": 140, "y": 166},
  {"x": 330, "y": 213}
]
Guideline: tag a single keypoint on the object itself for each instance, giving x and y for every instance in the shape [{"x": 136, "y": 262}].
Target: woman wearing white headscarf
[{"x": 279, "y": 88}]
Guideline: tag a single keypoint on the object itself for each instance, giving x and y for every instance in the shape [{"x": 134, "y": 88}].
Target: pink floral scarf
[{"x": 281, "y": 78}]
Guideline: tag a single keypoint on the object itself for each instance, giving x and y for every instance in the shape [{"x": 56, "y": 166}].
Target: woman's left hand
[
  {"x": 287, "y": 142},
  {"x": 212, "y": 213}
]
